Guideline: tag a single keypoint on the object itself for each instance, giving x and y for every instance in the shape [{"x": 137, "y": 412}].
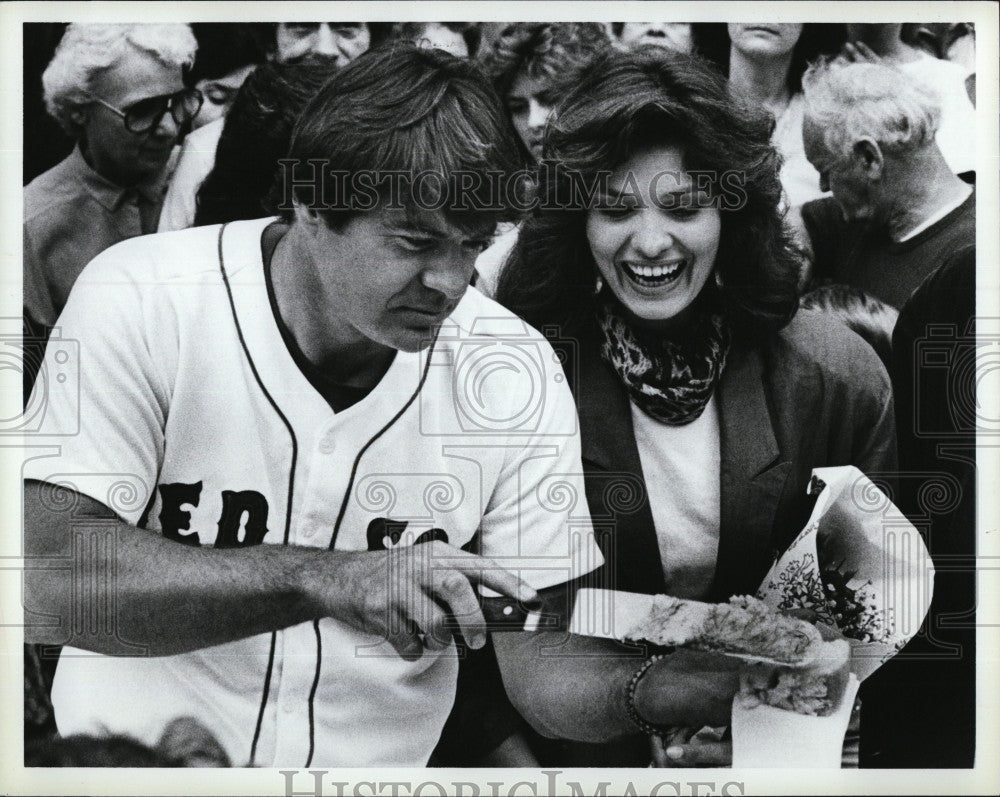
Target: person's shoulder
[
  {"x": 46, "y": 196},
  {"x": 158, "y": 259},
  {"x": 814, "y": 342},
  {"x": 948, "y": 295}
]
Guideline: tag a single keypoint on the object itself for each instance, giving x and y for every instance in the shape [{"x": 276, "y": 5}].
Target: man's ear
[
  {"x": 306, "y": 217},
  {"x": 78, "y": 115},
  {"x": 868, "y": 157}
]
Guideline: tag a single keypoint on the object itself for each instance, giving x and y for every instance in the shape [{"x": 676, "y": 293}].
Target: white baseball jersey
[{"x": 195, "y": 420}]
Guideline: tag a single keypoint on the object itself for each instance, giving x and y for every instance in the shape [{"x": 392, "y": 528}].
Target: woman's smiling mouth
[{"x": 653, "y": 275}]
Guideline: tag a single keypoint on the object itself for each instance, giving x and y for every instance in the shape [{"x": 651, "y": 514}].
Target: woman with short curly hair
[{"x": 532, "y": 64}]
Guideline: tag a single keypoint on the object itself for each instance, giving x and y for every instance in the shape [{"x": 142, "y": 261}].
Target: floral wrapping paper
[{"x": 862, "y": 567}]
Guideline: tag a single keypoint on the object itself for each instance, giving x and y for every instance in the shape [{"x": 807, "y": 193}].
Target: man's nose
[
  {"x": 327, "y": 41},
  {"x": 538, "y": 114},
  {"x": 450, "y": 276},
  {"x": 167, "y": 127}
]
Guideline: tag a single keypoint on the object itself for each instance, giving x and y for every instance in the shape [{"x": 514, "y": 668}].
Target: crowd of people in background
[{"x": 807, "y": 306}]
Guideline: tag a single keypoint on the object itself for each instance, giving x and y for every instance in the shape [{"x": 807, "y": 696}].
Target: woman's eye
[
  {"x": 684, "y": 212},
  {"x": 217, "y": 96},
  {"x": 616, "y": 210}
]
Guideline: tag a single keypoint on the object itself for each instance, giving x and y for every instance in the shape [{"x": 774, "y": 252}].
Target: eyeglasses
[{"x": 143, "y": 116}]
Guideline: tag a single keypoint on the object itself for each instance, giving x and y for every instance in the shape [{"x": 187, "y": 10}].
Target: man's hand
[{"x": 407, "y": 594}]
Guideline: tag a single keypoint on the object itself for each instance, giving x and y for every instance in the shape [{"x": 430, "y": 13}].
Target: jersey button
[{"x": 328, "y": 444}]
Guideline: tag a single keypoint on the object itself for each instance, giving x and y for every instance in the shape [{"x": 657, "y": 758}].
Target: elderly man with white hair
[
  {"x": 898, "y": 211},
  {"x": 119, "y": 91}
]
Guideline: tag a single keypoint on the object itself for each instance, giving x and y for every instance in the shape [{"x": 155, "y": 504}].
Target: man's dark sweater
[{"x": 864, "y": 257}]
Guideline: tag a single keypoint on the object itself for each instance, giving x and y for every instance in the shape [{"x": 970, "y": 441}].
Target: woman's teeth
[{"x": 653, "y": 276}]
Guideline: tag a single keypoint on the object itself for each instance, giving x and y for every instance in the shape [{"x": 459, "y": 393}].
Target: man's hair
[
  {"x": 224, "y": 47},
  {"x": 255, "y": 136},
  {"x": 87, "y": 50},
  {"x": 401, "y": 110},
  {"x": 862, "y": 313},
  {"x": 554, "y": 53},
  {"x": 471, "y": 32},
  {"x": 849, "y": 101},
  {"x": 626, "y": 102}
]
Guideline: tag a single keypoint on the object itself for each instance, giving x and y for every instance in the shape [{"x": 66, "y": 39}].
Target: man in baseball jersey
[{"x": 280, "y": 436}]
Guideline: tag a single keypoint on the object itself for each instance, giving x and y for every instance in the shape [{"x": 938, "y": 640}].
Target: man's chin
[{"x": 414, "y": 341}]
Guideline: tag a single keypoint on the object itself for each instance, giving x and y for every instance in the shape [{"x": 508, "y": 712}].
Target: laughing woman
[{"x": 704, "y": 398}]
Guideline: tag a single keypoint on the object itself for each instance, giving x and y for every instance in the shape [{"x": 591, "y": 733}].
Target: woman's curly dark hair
[
  {"x": 553, "y": 52},
  {"x": 625, "y": 102}
]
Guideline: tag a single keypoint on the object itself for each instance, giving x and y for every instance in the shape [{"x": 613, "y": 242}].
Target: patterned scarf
[{"x": 670, "y": 379}]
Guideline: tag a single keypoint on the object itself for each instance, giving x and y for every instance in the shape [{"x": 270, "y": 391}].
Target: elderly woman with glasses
[
  {"x": 658, "y": 256},
  {"x": 119, "y": 91}
]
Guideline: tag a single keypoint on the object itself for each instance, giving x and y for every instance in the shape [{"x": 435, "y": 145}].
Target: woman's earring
[
  {"x": 718, "y": 279},
  {"x": 598, "y": 284}
]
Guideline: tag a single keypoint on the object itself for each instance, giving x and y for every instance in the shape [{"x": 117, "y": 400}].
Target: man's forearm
[{"x": 134, "y": 587}]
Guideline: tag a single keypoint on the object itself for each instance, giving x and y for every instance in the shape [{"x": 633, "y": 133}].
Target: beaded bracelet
[{"x": 633, "y": 713}]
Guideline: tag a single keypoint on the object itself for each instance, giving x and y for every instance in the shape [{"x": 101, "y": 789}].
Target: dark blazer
[{"x": 812, "y": 395}]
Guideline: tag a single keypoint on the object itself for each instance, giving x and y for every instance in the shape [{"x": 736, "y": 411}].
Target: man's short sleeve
[
  {"x": 100, "y": 400},
  {"x": 538, "y": 521}
]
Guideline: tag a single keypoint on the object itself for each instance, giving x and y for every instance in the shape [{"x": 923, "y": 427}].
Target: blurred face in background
[
  {"x": 342, "y": 41},
  {"x": 219, "y": 94},
  {"x": 669, "y": 35},
  {"x": 764, "y": 39},
  {"x": 655, "y": 250},
  {"x": 113, "y": 151},
  {"x": 529, "y": 107},
  {"x": 435, "y": 35}
]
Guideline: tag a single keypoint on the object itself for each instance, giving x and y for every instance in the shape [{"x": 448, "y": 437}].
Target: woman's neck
[{"x": 763, "y": 81}]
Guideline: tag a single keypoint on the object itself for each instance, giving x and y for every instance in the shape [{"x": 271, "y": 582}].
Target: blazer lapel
[
  {"x": 616, "y": 489},
  {"x": 752, "y": 476}
]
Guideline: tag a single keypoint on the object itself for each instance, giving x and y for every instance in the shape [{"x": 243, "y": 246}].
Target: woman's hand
[{"x": 684, "y": 748}]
